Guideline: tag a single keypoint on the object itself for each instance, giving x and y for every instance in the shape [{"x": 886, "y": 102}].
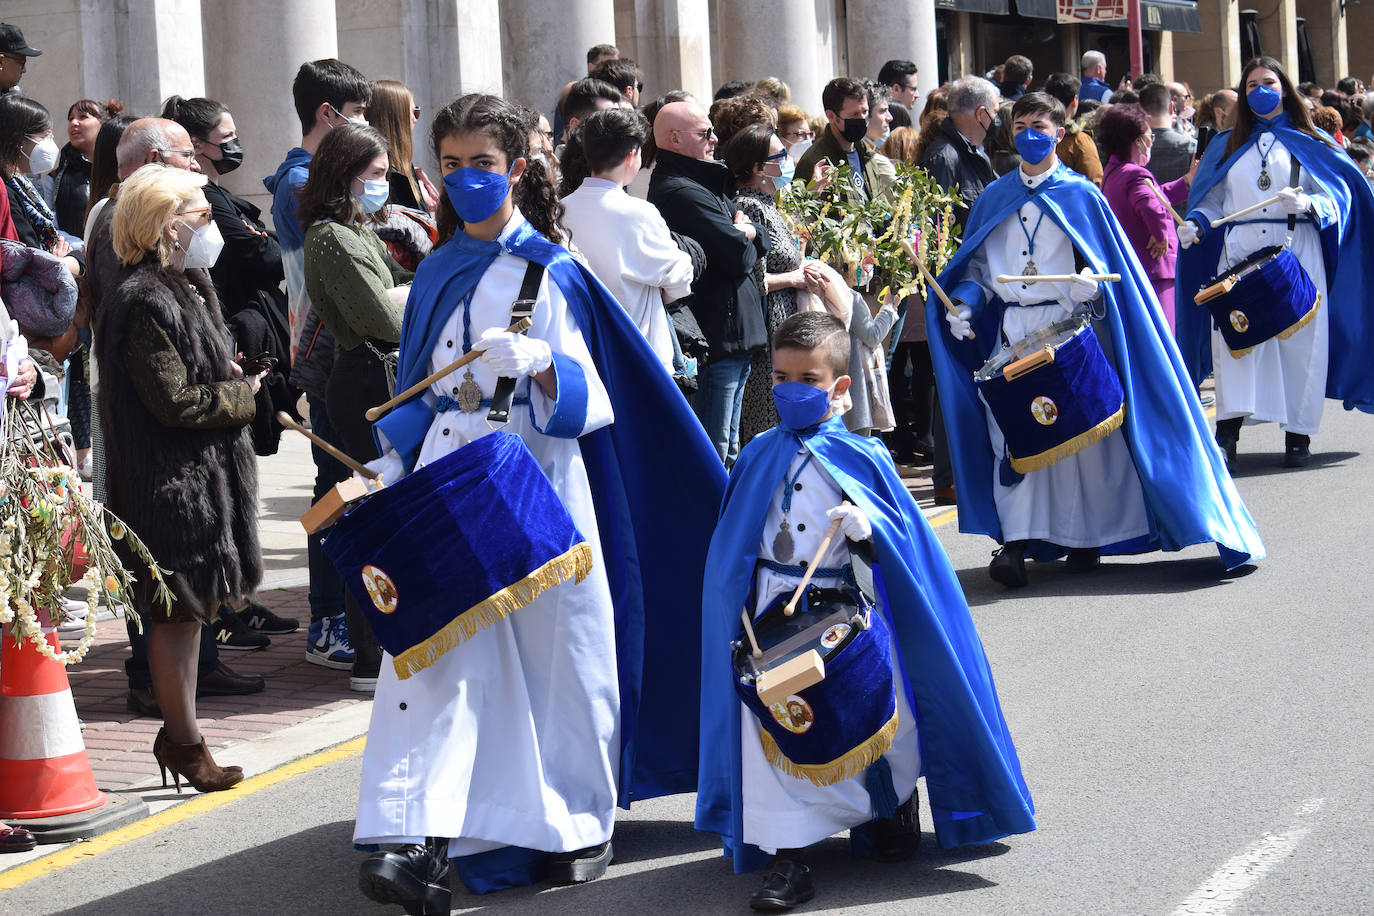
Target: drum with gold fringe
[
  {"x": 1269, "y": 294},
  {"x": 455, "y": 546}
]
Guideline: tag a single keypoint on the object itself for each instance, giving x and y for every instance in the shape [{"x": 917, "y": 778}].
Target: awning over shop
[
  {"x": 1155, "y": 15},
  {"x": 990, "y": 7}
]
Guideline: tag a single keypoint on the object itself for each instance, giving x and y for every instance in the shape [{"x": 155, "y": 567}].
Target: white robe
[
  {"x": 511, "y": 738},
  {"x": 628, "y": 246},
  {"x": 1279, "y": 381},
  {"x": 783, "y": 811},
  {"x": 1090, "y": 499}
]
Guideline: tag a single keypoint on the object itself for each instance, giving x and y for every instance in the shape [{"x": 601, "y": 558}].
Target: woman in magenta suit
[{"x": 1124, "y": 133}]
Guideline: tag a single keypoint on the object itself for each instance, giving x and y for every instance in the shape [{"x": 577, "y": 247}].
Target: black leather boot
[
  {"x": 415, "y": 876},
  {"x": 1008, "y": 565}
]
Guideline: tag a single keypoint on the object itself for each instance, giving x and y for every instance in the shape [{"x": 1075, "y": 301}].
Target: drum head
[
  {"x": 826, "y": 620},
  {"x": 1052, "y": 335}
]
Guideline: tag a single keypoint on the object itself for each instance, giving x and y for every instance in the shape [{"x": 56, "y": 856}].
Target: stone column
[
  {"x": 1279, "y": 35},
  {"x": 963, "y": 46},
  {"x": 883, "y": 30},
  {"x": 256, "y": 47},
  {"x": 672, "y": 43},
  {"x": 165, "y": 53},
  {"x": 773, "y": 38},
  {"x": 545, "y": 45}
]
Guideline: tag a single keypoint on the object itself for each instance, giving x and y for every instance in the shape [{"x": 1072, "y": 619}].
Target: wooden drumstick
[
  {"x": 374, "y": 413},
  {"x": 925, "y": 272},
  {"x": 1159, "y": 192},
  {"x": 1057, "y": 278},
  {"x": 749, "y": 631},
  {"x": 791, "y": 607},
  {"x": 1246, "y": 212},
  {"x": 285, "y": 420}
]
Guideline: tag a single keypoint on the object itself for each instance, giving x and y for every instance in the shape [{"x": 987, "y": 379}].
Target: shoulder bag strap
[{"x": 504, "y": 395}]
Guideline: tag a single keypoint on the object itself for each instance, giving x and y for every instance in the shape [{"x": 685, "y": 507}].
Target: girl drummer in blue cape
[
  {"x": 510, "y": 751},
  {"x": 1324, "y": 349},
  {"x": 1104, "y": 451},
  {"x": 907, "y": 691}
]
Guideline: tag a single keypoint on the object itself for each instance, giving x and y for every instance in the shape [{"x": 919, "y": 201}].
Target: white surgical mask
[
  {"x": 44, "y": 156},
  {"x": 799, "y": 149},
  {"x": 204, "y": 248}
]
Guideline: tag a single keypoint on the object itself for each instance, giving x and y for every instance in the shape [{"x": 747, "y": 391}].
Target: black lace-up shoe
[
  {"x": 414, "y": 876},
  {"x": 581, "y": 865}
]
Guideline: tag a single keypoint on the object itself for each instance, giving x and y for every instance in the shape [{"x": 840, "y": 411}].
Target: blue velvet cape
[
  {"x": 655, "y": 480},
  {"x": 1346, "y": 250},
  {"x": 1189, "y": 496},
  {"x": 973, "y": 776}
]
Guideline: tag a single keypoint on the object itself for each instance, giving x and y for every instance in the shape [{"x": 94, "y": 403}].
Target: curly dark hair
[
  {"x": 509, "y": 125},
  {"x": 1119, "y": 127},
  {"x": 343, "y": 155}
]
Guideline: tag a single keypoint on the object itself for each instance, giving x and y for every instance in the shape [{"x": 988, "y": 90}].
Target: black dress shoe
[
  {"x": 142, "y": 702},
  {"x": 222, "y": 682},
  {"x": 1297, "y": 450},
  {"x": 787, "y": 884},
  {"x": 580, "y": 865},
  {"x": 897, "y": 838},
  {"x": 1008, "y": 566},
  {"x": 414, "y": 876},
  {"x": 1083, "y": 559}
]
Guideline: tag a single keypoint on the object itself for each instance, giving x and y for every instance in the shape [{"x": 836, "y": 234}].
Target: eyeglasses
[
  {"x": 185, "y": 153},
  {"x": 415, "y": 112},
  {"x": 704, "y": 134},
  {"x": 797, "y": 135},
  {"x": 777, "y": 157}
]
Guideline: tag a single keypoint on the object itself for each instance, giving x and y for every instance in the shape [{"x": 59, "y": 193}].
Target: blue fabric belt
[
  {"x": 845, "y": 572},
  {"x": 444, "y": 403}
]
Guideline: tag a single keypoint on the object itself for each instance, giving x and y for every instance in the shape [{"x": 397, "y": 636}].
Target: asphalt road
[{"x": 1196, "y": 742}]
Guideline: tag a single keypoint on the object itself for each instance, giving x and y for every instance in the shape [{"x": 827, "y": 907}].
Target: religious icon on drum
[
  {"x": 1044, "y": 410},
  {"x": 380, "y": 589},
  {"x": 795, "y": 714}
]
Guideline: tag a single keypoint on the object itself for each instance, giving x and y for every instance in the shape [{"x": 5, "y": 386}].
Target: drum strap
[
  {"x": 1293, "y": 176},
  {"x": 504, "y": 395}
]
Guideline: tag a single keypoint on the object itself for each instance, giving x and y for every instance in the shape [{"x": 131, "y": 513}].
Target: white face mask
[
  {"x": 798, "y": 149},
  {"x": 44, "y": 156},
  {"x": 204, "y": 248}
]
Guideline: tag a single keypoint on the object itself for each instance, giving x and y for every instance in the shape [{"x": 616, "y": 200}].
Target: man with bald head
[
  {"x": 689, "y": 187},
  {"x": 1223, "y": 103},
  {"x": 150, "y": 140}
]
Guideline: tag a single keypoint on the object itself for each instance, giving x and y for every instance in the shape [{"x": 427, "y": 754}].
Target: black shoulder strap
[
  {"x": 1294, "y": 173},
  {"x": 504, "y": 395}
]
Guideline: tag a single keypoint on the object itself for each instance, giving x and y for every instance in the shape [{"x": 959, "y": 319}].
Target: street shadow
[
  {"x": 315, "y": 871},
  {"x": 1266, "y": 464},
  {"x": 1115, "y": 577}
]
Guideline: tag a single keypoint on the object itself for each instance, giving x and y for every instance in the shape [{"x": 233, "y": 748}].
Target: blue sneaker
[{"x": 328, "y": 645}]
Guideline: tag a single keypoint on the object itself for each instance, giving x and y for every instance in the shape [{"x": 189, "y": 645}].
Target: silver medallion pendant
[
  {"x": 782, "y": 544},
  {"x": 469, "y": 394},
  {"x": 1264, "y": 181},
  {"x": 1030, "y": 270}
]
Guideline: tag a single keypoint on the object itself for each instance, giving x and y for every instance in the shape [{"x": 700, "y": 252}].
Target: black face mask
[
  {"x": 231, "y": 156},
  {"x": 855, "y": 129},
  {"x": 994, "y": 127}
]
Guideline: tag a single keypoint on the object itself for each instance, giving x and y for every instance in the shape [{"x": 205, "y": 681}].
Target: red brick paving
[{"x": 119, "y": 743}]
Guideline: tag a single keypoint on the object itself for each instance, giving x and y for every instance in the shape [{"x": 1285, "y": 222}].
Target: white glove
[
  {"x": 1294, "y": 201},
  {"x": 959, "y": 321},
  {"x": 1188, "y": 233},
  {"x": 390, "y": 468},
  {"x": 1083, "y": 288},
  {"x": 853, "y": 523},
  {"x": 513, "y": 355}
]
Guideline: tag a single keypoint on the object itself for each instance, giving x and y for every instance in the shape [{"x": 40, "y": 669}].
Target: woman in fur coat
[{"x": 180, "y": 466}]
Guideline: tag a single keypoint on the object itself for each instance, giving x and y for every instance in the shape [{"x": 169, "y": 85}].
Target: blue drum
[
  {"x": 1269, "y": 294},
  {"x": 831, "y": 730},
  {"x": 1053, "y": 393}
]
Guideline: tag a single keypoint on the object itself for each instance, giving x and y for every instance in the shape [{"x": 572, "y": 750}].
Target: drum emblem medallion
[
  {"x": 380, "y": 589},
  {"x": 835, "y": 635},
  {"x": 1239, "y": 321},
  {"x": 1044, "y": 410},
  {"x": 795, "y": 714}
]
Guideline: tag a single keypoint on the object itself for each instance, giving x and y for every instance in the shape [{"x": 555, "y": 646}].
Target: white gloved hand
[
  {"x": 390, "y": 468},
  {"x": 1188, "y": 233},
  {"x": 853, "y": 523},
  {"x": 959, "y": 321},
  {"x": 1294, "y": 201},
  {"x": 1083, "y": 288},
  {"x": 512, "y": 355}
]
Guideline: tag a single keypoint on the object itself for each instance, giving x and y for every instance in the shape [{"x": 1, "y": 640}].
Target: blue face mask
[
  {"x": 1033, "y": 146},
  {"x": 1264, "y": 100},
  {"x": 789, "y": 171},
  {"x": 374, "y": 195},
  {"x": 800, "y": 405},
  {"x": 476, "y": 193}
]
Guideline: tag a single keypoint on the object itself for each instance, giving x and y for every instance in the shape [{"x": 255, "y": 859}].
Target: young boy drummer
[{"x": 787, "y": 487}]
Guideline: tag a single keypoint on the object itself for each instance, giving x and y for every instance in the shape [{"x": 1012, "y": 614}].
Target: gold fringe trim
[
  {"x": 841, "y": 768},
  {"x": 1297, "y": 326},
  {"x": 1072, "y": 447},
  {"x": 575, "y": 565}
]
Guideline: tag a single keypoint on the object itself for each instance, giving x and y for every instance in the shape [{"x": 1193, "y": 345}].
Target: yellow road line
[
  {"x": 81, "y": 852},
  {"x": 944, "y": 518}
]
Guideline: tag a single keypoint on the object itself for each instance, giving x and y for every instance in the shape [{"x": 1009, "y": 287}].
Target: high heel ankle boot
[{"x": 195, "y": 763}]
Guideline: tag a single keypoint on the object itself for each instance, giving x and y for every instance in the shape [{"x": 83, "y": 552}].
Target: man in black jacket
[
  {"x": 689, "y": 187},
  {"x": 954, "y": 158}
]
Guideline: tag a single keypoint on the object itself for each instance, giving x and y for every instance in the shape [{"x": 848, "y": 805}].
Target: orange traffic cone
[{"x": 45, "y": 775}]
